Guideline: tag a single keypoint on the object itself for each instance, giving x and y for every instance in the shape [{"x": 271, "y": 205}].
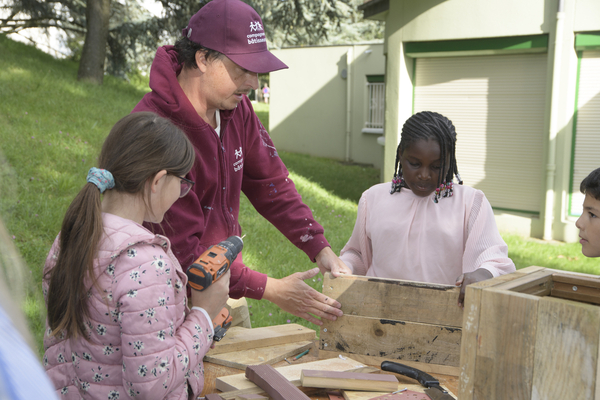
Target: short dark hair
[
  {"x": 591, "y": 184},
  {"x": 186, "y": 52}
]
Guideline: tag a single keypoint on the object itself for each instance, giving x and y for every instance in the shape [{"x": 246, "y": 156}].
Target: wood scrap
[
  {"x": 374, "y": 360},
  {"x": 349, "y": 380},
  {"x": 291, "y": 372},
  {"x": 238, "y": 338},
  {"x": 335, "y": 395},
  {"x": 275, "y": 384},
  {"x": 213, "y": 396},
  {"x": 257, "y": 356}
]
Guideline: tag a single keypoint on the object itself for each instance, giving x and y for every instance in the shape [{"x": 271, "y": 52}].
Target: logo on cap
[{"x": 255, "y": 26}]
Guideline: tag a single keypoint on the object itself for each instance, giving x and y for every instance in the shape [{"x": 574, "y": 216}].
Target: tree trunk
[{"x": 91, "y": 66}]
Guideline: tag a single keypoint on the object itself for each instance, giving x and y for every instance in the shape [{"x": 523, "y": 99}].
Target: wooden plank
[
  {"x": 394, "y": 299},
  {"x": 213, "y": 396},
  {"x": 590, "y": 281},
  {"x": 471, "y": 323},
  {"x": 348, "y": 380},
  {"x": 275, "y": 384},
  {"x": 290, "y": 372},
  {"x": 506, "y": 345},
  {"x": 585, "y": 294},
  {"x": 375, "y": 360},
  {"x": 566, "y": 356},
  {"x": 539, "y": 281},
  {"x": 261, "y": 355},
  {"x": 238, "y": 338},
  {"x": 397, "y": 340}
]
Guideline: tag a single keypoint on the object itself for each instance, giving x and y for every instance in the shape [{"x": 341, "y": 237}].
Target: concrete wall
[
  {"x": 310, "y": 109},
  {"x": 436, "y": 20}
]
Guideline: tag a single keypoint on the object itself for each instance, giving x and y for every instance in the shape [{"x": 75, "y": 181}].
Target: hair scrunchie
[{"x": 102, "y": 178}]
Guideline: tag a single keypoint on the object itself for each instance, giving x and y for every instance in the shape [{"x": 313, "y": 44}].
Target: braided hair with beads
[{"x": 423, "y": 126}]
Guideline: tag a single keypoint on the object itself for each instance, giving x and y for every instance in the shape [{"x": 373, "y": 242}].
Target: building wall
[
  {"x": 439, "y": 20},
  {"x": 310, "y": 109}
]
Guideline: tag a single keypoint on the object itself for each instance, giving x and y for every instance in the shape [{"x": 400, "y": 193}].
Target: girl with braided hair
[{"x": 426, "y": 228}]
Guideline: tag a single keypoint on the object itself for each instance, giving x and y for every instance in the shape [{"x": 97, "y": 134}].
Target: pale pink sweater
[
  {"x": 404, "y": 236},
  {"x": 143, "y": 342}
]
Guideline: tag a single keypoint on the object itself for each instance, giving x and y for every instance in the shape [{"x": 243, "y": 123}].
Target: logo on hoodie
[
  {"x": 259, "y": 36},
  {"x": 239, "y": 163}
]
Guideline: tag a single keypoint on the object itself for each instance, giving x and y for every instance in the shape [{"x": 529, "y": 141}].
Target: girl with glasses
[{"x": 118, "y": 320}]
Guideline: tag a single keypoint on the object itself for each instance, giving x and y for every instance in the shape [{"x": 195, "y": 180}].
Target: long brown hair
[{"x": 136, "y": 149}]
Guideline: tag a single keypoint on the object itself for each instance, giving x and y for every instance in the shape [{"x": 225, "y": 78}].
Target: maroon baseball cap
[{"x": 233, "y": 28}]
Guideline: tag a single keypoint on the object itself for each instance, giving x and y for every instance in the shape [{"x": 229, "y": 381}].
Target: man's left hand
[
  {"x": 294, "y": 296},
  {"x": 463, "y": 280}
]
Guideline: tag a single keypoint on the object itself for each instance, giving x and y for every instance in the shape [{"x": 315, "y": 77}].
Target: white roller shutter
[
  {"x": 497, "y": 106},
  {"x": 587, "y": 129}
]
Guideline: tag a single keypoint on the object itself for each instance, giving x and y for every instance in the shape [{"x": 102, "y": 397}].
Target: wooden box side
[
  {"x": 472, "y": 321},
  {"x": 395, "y": 299},
  {"x": 566, "y": 350},
  {"x": 394, "y": 340}
]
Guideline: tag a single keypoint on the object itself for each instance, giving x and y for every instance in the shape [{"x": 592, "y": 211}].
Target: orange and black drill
[{"x": 208, "y": 268}]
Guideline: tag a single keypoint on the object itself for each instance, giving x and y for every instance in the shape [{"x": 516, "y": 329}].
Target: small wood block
[
  {"x": 261, "y": 355},
  {"x": 291, "y": 372},
  {"x": 275, "y": 384},
  {"x": 238, "y": 338},
  {"x": 213, "y": 396},
  {"x": 349, "y": 380},
  {"x": 251, "y": 397}
]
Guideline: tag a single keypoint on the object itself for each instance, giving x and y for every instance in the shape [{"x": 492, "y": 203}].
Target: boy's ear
[{"x": 156, "y": 180}]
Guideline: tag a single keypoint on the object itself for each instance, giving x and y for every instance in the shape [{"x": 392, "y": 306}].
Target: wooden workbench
[{"x": 214, "y": 371}]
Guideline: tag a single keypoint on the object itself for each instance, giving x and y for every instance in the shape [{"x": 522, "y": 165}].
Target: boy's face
[{"x": 589, "y": 227}]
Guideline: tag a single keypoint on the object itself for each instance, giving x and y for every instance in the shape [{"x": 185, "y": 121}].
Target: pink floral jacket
[{"x": 142, "y": 340}]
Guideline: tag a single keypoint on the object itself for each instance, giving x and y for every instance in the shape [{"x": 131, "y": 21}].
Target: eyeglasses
[{"x": 186, "y": 185}]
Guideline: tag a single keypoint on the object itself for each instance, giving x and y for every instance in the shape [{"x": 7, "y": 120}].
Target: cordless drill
[{"x": 208, "y": 268}]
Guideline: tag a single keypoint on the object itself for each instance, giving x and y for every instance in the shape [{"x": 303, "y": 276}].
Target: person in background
[
  {"x": 118, "y": 324},
  {"x": 589, "y": 221},
  {"x": 201, "y": 84},
  {"x": 266, "y": 93},
  {"x": 426, "y": 228}
]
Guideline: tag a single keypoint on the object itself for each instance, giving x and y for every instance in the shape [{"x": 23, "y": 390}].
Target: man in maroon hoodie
[{"x": 201, "y": 84}]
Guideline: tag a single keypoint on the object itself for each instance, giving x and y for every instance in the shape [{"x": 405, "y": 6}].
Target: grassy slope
[{"x": 51, "y": 130}]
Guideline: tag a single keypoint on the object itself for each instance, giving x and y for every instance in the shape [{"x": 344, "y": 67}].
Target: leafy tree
[{"x": 131, "y": 34}]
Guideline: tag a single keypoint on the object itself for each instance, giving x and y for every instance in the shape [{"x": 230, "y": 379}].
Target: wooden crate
[
  {"x": 409, "y": 322},
  {"x": 533, "y": 334}
]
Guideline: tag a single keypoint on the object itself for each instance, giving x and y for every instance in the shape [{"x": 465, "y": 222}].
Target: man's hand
[
  {"x": 329, "y": 262},
  {"x": 463, "y": 280},
  {"x": 294, "y": 296}
]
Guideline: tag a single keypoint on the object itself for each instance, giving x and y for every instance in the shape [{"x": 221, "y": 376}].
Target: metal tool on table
[
  {"x": 208, "y": 268},
  {"x": 432, "y": 385}
]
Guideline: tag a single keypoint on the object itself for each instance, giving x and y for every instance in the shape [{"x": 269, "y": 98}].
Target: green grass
[{"x": 51, "y": 130}]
